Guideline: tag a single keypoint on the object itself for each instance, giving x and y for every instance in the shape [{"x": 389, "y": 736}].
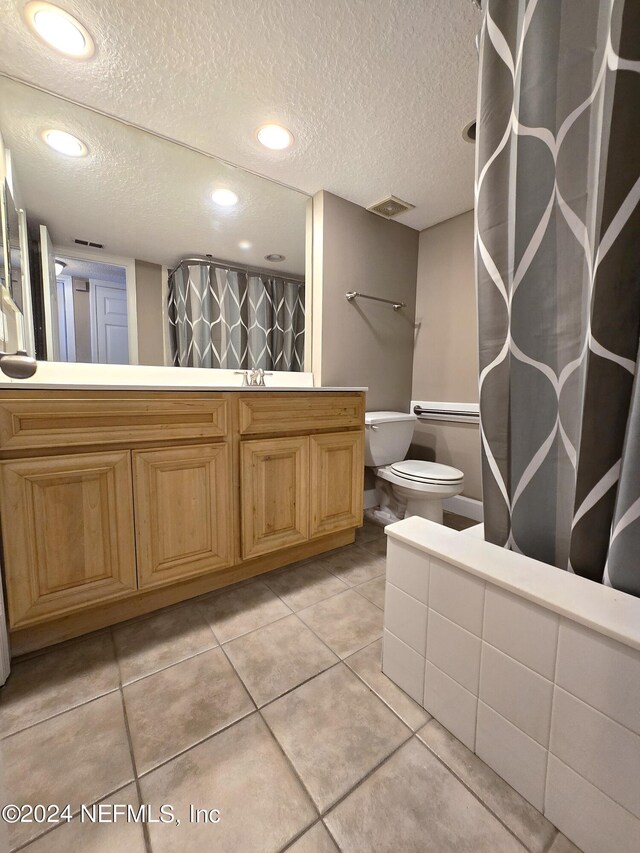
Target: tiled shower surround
[{"x": 535, "y": 670}]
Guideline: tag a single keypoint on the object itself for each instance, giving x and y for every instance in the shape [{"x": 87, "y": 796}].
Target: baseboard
[
  {"x": 469, "y": 507},
  {"x": 370, "y": 499}
]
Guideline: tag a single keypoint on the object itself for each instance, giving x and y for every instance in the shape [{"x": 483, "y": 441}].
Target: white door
[
  {"x": 110, "y": 334},
  {"x": 49, "y": 295}
]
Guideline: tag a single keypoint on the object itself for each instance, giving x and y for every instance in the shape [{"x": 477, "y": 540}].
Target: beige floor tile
[
  {"x": 334, "y": 730},
  {"x": 367, "y": 665},
  {"x": 237, "y": 611},
  {"x": 87, "y": 837},
  {"x": 58, "y": 680},
  {"x": 368, "y": 532},
  {"x": 376, "y": 546},
  {"x": 514, "y": 811},
  {"x": 355, "y": 565},
  {"x": 77, "y": 757},
  {"x": 303, "y": 584},
  {"x": 241, "y": 772},
  {"x": 182, "y": 705},
  {"x": 155, "y": 642},
  {"x": 346, "y": 622},
  {"x": 373, "y": 590},
  {"x": 315, "y": 840},
  {"x": 414, "y": 804},
  {"x": 278, "y": 657},
  {"x": 561, "y": 844}
]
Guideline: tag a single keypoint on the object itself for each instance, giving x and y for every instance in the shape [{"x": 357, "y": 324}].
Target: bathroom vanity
[{"x": 117, "y": 502}]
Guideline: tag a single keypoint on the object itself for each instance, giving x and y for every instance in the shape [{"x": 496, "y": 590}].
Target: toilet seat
[{"x": 432, "y": 473}]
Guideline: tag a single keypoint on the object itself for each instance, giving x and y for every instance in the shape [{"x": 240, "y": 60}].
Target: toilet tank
[{"x": 387, "y": 437}]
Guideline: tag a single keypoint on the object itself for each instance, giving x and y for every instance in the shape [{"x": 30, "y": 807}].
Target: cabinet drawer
[
  {"x": 285, "y": 413},
  {"x": 28, "y": 423}
]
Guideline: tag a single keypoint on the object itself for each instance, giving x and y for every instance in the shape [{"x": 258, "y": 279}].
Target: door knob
[{"x": 17, "y": 365}]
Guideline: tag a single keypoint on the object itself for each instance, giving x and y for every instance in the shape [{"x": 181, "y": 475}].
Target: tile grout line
[
  {"x": 471, "y": 790},
  {"x": 74, "y": 817},
  {"x": 60, "y": 713},
  {"x": 366, "y": 776},
  {"x": 145, "y": 828}
]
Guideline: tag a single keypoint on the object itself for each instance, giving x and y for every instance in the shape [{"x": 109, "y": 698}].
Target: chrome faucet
[{"x": 254, "y": 377}]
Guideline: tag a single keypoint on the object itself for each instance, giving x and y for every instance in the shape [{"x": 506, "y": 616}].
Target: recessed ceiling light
[
  {"x": 59, "y": 266},
  {"x": 274, "y": 258},
  {"x": 226, "y": 198},
  {"x": 274, "y": 136},
  {"x": 65, "y": 143},
  {"x": 244, "y": 244},
  {"x": 59, "y": 29}
]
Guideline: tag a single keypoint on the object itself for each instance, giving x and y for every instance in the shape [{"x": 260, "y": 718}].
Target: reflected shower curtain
[
  {"x": 558, "y": 269},
  {"x": 220, "y": 317}
]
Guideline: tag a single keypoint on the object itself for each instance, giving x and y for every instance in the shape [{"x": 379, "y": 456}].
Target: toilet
[{"x": 405, "y": 487}]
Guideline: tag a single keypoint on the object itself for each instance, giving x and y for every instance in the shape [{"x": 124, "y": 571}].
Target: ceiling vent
[
  {"x": 89, "y": 243},
  {"x": 390, "y": 207}
]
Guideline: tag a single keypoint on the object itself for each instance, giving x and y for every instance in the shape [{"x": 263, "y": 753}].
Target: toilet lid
[{"x": 427, "y": 472}]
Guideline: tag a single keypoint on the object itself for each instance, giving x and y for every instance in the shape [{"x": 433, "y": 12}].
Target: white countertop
[
  {"x": 50, "y": 386},
  {"x": 69, "y": 376},
  {"x": 601, "y": 608}
]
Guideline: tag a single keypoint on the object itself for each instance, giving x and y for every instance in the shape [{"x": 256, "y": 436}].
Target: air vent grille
[
  {"x": 390, "y": 207},
  {"x": 89, "y": 243}
]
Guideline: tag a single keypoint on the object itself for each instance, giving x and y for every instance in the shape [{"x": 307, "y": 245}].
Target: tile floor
[{"x": 265, "y": 701}]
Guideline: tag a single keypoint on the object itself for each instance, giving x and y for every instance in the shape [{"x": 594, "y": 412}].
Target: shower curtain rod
[{"x": 220, "y": 264}]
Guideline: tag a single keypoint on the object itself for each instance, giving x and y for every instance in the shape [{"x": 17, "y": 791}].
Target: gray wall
[
  {"x": 149, "y": 295},
  {"x": 82, "y": 319},
  {"x": 445, "y": 363},
  {"x": 363, "y": 342}
]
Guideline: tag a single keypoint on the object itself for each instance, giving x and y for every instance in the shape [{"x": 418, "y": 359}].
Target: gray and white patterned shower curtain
[
  {"x": 220, "y": 317},
  {"x": 558, "y": 269}
]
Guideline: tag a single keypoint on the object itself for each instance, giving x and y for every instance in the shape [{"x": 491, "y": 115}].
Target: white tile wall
[
  {"x": 521, "y": 629},
  {"x": 403, "y": 665},
  {"x": 518, "y": 693},
  {"x": 512, "y": 754},
  {"x": 454, "y": 651},
  {"x": 547, "y": 703},
  {"x": 601, "y": 672},
  {"x": 457, "y": 595},
  {"x": 451, "y": 705},
  {"x": 408, "y": 569},
  {"x": 585, "y": 815},
  {"x": 406, "y": 617},
  {"x": 604, "y": 752}
]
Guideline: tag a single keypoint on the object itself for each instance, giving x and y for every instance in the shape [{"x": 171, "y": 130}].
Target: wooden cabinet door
[
  {"x": 337, "y": 482},
  {"x": 67, "y": 533},
  {"x": 183, "y": 512},
  {"x": 274, "y": 494}
]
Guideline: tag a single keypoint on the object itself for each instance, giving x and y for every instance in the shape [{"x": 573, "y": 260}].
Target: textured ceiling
[
  {"x": 92, "y": 269},
  {"x": 376, "y": 92},
  {"x": 141, "y": 196}
]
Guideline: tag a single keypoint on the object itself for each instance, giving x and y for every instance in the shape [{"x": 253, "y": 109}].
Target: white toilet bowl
[
  {"x": 421, "y": 491},
  {"x": 409, "y": 486}
]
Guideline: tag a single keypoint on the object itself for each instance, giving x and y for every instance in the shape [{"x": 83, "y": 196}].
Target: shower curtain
[
  {"x": 221, "y": 317},
  {"x": 558, "y": 275}
]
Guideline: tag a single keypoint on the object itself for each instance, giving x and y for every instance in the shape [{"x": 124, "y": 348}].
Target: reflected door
[{"x": 110, "y": 336}]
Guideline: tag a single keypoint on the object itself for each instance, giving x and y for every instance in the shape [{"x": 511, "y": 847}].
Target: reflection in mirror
[{"x": 149, "y": 252}]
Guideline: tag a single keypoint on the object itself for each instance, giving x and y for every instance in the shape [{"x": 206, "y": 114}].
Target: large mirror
[{"x": 143, "y": 251}]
